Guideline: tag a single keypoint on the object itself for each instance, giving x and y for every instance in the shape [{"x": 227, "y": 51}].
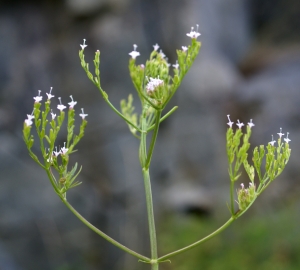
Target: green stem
[
  {"x": 52, "y": 181},
  {"x": 91, "y": 226},
  {"x": 164, "y": 117},
  {"x": 105, "y": 236},
  {"x": 222, "y": 228},
  {"x": 232, "y": 197},
  {"x": 145, "y": 163},
  {"x": 114, "y": 108},
  {"x": 153, "y": 140},
  {"x": 151, "y": 222}
]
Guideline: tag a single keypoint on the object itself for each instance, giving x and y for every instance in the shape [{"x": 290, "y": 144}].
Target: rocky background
[{"x": 249, "y": 67}]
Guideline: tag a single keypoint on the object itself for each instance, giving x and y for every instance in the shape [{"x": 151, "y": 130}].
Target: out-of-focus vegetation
[{"x": 264, "y": 241}]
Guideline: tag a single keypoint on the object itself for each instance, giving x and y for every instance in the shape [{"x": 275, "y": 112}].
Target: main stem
[
  {"x": 145, "y": 159},
  {"x": 151, "y": 222}
]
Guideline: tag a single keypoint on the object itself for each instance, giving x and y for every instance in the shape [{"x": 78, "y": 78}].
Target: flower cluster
[
  {"x": 239, "y": 124},
  {"x": 194, "y": 34},
  {"x": 47, "y": 131},
  {"x": 63, "y": 150},
  {"x": 153, "y": 84},
  {"x": 280, "y": 134},
  {"x": 60, "y": 107},
  {"x": 276, "y": 157}
]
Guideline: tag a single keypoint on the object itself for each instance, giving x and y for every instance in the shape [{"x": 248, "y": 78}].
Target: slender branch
[
  {"x": 153, "y": 140},
  {"x": 114, "y": 108},
  {"x": 232, "y": 197},
  {"x": 165, "y": 257},
  {"x": 105, "y": 236},
  {"x": 164, "y": 117},
  {"x": 91, "y": 226}
]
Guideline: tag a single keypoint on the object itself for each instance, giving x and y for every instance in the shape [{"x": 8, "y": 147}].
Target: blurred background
[{"x": 248, "y": 67}]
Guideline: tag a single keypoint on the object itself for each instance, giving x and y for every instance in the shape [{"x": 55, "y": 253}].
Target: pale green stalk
[
  {"x": 92, "y": 227},
  {"x": 145, "y": 163},
  {"x": 102, "y": 234},
  {"x": 222, "y": 228}
]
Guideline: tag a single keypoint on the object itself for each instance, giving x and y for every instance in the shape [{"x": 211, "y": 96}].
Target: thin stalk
[
  {"x": 115, "y": 109},
  {"x": 151, "y": 222},
  {"x": 105, "y": 236},
  {"x": 165, "y": 257},
  {"x": 145, "y": 163},
  {"x": 153, "y": 140},
  {"x": 232, "y": 197},
  {"x": 164, "y": 117},
  {"x": 91, "y": 226},
  {"x": 52, "y": 181}
]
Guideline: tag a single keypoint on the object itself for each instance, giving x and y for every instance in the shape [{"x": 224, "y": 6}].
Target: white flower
[
  {"x": 184, "y": 48},
  {"x": 273, "y": 141},
  {"x": 83, "y": 115},
  {"x": 153, "y": 84},
  {"x": 176, "y": 66},
  {"x": 134, "y": 54},
  {"x": 83, "y": 45},
  {"x": 61, "y": 107},
  {"x": 239, "y": 124},
  {"x": 280, "y": 133},
  {"x": 49, "y": 94},
  {"x": 53, "y": 115},
  {"x": 156, "y": 46},
  {"x": 287, "y": 140},
  {"x": 162, "y": 54},
  {"x": 194, "y": 34},
  {"x": 250, "y": 124},
  {"x": 64, "y": 150},
  {"x": 229, "y": 123},
  {"x": 38, "y": 98},
  {"x": 28, "y": 122},
  {"x": 55, "y": 153},
  {"x": 30, "y": 116},
  {"x": 72, "y": 103}
]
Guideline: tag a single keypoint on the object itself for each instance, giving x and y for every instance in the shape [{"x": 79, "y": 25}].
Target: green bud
[
  {"x": 246, "y": 196},
  {"x": 71, "y": 126},
  {"x": 128, "y": 111},
  {"x": 249, "y": 169}
]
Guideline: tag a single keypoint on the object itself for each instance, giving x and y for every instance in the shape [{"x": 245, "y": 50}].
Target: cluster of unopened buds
[{"x": 246, "y": 195}]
